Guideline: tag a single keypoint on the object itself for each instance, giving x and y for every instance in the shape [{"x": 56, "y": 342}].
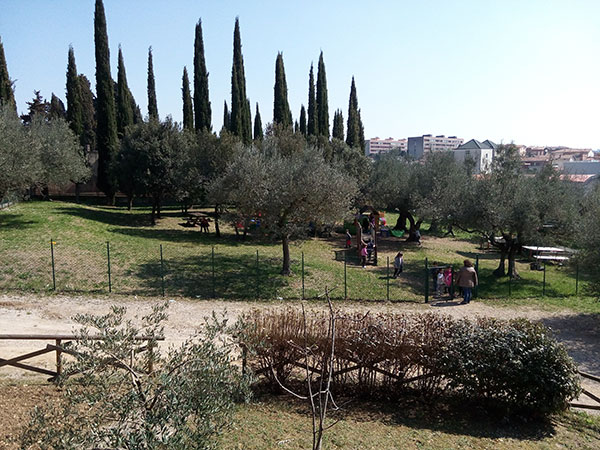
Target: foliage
[
  {"x": 152, "y": 104},
  {"x": 240, "y": 124},
  {"x": 285, "y": 191},
  {"x": 107, "y": 141},
  {"x": 587, "y": 237},
  {"x": 303, "y": 121},
  {"x": 7, "y": 96},
  {"x": 57, "y": 108},
  {"x": 516, "y": 365},
  {"x": 20, "y": 164},
  {"x": 354, "y": 124},
  {"x": 124, "y": 98},
  {"x": 88, "y": 113},
  {"x": 258, "y": 128},
  {"x": 338, "y": 125},
  {"x": 37, "y": 107},
  {"x": 74, "y": 106},
  {"x": 202, "y": 111},
  {"x": 321, "y": 101},
  {"x": 184, "y": 402},
  {"x": 188, "y": 110},
  {"x": 312, "y": 125},
  {"x": 281, "y": 108}
]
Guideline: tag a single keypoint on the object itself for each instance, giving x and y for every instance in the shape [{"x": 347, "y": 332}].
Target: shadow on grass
[
  {"x": 108, "y": 215},
  {"x": 446, "y": 415},
  {"x": 229, "y": 277},
  {"x": 10, "y": 221}
]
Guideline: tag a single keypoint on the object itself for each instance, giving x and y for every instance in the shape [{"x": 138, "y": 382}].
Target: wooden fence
[{"x": 60, "y": 346}]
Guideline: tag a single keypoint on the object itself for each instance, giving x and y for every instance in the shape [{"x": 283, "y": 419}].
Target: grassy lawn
[
  {"x": 81, "y": 233},
  {"x": 284, "y": 423}
]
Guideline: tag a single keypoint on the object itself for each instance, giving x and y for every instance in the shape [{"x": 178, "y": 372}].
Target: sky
[{"x": 522, "y": 71}]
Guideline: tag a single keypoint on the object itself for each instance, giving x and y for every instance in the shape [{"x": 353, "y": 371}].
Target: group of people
[{"x": 466, "y": 280}]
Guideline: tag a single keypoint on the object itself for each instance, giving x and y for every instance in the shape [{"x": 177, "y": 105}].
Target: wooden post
[
  {"x": 387, "y": 278},
  {"x": 345, "y": 275},
  {"x": 108, "y": 259},
  {"x": 150, "y": 356},
  {"x": 426, "y": 282},
  {"x": 302, "y": 275},
  {"x": 58, "y": 358},
  {"x": 53, "y": 271}
]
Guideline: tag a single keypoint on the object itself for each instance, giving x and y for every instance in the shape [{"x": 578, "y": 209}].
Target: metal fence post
[
  {"x": 426, "y": 282},
  {"x": 162, "y": 272},
  {"x": 476, "y": 288},
  {"x": 108, "y": 260},
  {"x": 452, "y": 282},
  {"x": 388, "y": 279},
  {"x": 544, "y": 281},
  {"x": 302, "y": 275},
  {"x": 577, "y": 278},
  {"x": 257, "y": 278},
  {"x": 345, "y": 274},
  {"x": 213, "y": 273},
  {"x": 53, "y": 270}
]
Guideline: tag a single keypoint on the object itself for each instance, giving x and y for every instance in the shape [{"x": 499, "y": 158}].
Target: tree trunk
[
  {"x": 129, "y": 202},
  {"x": 501, "y": 269},
  {"x": 112, "y": 199},
  {"x": 217, "y": 229},
  {"x": 152, "y": 215},
  {"x": 413, "y": 236},
  {"x": 77, "y": 192},
  {"x": 401, "y": 222},
  {"x": 158, "y": 215},
  {"x": 434, "y": 227},
  {"x": 449, "y": 231},
  {"x": 286, "y": 256},
  {"x": 512, "y": 267}
]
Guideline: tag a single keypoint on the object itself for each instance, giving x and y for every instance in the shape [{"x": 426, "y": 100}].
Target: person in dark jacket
[{"x": 467, "y": 280}]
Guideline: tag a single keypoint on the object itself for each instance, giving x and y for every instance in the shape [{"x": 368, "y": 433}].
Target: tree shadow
[
  {"x": 108, "y": 216},
  {"x": 10, "y": 221},
  {"x": 225, "y": 276},
  {"x": 581, "y": 335}
]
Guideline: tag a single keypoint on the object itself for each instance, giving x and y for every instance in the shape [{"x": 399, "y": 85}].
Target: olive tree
[
  {"x": 587, "y": 236},
  {"x": 117, "y": 394},
  {"x": 287, "y": 191}
]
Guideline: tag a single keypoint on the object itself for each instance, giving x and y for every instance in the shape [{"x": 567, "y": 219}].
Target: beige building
[
  {"x": 376, "y": 146},
  {"x": 419, "y": 146}
]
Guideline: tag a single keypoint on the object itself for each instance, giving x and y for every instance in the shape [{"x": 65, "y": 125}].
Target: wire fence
[{"x": 205, "y": 273}]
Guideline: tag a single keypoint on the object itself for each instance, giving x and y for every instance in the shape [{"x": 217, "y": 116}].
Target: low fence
[{"x": 243, "y": 273}]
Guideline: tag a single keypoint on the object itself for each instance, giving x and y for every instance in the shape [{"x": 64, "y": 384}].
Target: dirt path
[{"x": 34, "y": 314}]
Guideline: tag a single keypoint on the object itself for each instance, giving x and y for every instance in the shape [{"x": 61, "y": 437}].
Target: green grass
[
  {"x": 285, "y": 423},
  {"x": 80, "y": 233}
]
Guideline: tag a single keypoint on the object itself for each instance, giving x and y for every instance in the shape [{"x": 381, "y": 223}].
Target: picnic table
[
  {"x": 546, "y": 254},
  {"x": 195, "y": 219}
]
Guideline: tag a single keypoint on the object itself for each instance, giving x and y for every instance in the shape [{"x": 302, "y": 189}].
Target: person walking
[
  {"x": 398, "y": 264},
  {"x": 467, "y": 280}
]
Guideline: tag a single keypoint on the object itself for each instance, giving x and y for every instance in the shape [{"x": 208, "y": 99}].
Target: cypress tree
[
  {"x": 188, "y": 110},
  {"x": 281, "y": 107},
  {"x": 361, "y": 131},
  {"x": 353, "y": 135},
  {"x": 322, "y": 104},
  {"x": 312, "y": 107},
  {"x": 74, "y": 107},
  {"x": 152, "y": 106},
  {"x": 303, "y": 120},
  {"x": 240, "y": 107},
  {"x": 88, "y": 114},
  {"x": 201, "y": 98},
  {"x": 338, "y": 125},
  {"x": 258, "y": 130},
  {"x": 106, "y": 134},
  {"x": 226, "y": 117},
  {"x": 123, "y": 98},
  {"x": 57, "y": 108},
  {"x": 7, "y": 96}
]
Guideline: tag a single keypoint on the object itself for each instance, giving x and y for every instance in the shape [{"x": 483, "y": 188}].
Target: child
[
  {"x": 448, "y": 279},
  {"x": 398, "y": 263},
  {"x": 348, "y": 239},
  {"x": 440, "y": 283},
  {"x": 370, "y": 248},
  {"x": 363, "y": 255}
]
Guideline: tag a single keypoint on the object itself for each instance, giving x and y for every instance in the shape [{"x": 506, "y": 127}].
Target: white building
[
  {"x": 376, "y": 146},
  {"x": 419, "y": 146},
  {"x": 481, "y": 153}
]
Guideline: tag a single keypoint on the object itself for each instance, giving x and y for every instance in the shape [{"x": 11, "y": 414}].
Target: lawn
[{"x": 198, "y": 265}]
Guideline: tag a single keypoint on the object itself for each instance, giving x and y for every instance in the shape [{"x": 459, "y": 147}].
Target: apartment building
[
  {"x": 377, "y": 146},
  {"x": 418, "y": 146}
]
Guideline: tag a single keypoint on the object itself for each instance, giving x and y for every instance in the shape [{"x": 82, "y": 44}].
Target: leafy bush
[
  {"x": 515, "y": 365},
  {"x": 116, "y": 402}
]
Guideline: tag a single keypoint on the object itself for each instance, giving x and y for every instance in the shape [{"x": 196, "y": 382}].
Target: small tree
[
  {"x": 287, "y": 191},
  {"x": 184, "y": 402}
]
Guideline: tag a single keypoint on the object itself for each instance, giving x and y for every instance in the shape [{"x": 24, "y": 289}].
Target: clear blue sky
[{"x": 526, "y": 71}]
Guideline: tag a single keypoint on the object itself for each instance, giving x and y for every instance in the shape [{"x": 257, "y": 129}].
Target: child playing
[
  {"x": 440, "y": 283},
  {"x": 448, "y": 279},
  {"x": 348, "y": 239}
]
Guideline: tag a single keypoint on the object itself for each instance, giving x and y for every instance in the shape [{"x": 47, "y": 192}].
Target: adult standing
[
  {"x": 398, "y": 264},
  {"x": 467, "y": 280}
]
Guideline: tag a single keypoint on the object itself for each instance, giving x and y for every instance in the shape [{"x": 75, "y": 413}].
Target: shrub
[
  {"x": 514, "y": 365},
  {"x": 114, "y": 402}
]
